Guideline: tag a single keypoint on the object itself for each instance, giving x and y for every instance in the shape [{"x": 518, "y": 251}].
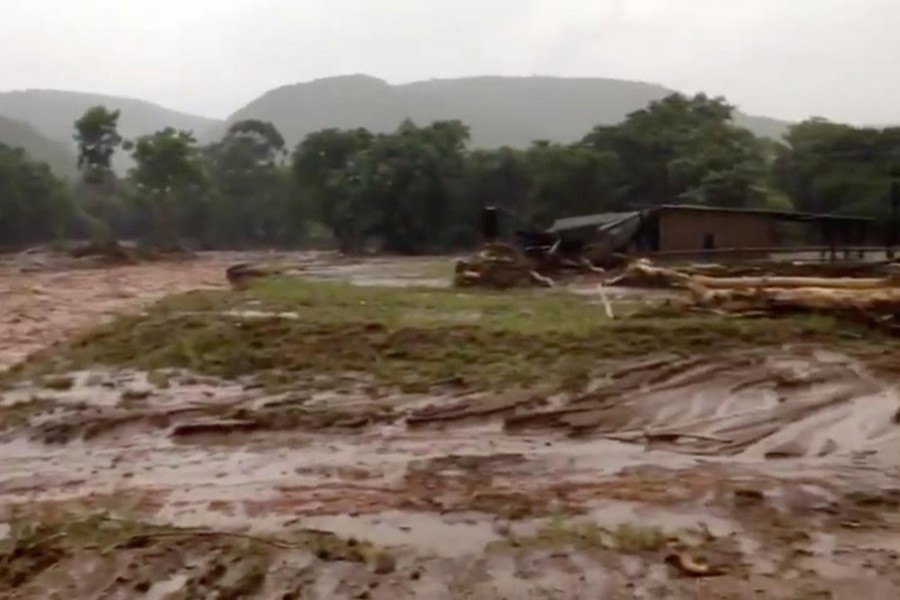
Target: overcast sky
[{"x": 782, "y": 58}]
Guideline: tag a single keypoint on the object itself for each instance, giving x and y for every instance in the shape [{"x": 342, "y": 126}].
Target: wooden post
[
  {"x": 895, "y": 218},
  {"x": 490, "y": 227},
  {"x": 862, "y": 239}
]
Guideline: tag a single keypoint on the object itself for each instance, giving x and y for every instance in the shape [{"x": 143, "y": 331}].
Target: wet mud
[
  {"x": 667, "y": 462},
  {"x": 770, "y": 474}
]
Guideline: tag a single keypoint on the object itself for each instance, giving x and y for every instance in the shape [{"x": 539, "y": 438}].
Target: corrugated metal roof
[
  {"x": 782, "y": 214},
  {"x": 601, "y": 221}
]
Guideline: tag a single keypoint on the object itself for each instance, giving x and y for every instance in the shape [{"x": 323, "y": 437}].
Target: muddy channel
[{"x": 751, "y": 474}]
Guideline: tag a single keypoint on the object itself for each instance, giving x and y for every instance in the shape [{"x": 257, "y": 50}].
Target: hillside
[
  {"x": 58, "y": 155},
  {"x": 53, "y": 113},
  {"x": 501, "y": 111}
]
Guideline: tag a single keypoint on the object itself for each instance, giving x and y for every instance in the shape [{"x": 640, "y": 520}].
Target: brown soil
[
  {"x": 40, "y": 308},
  {"x": 778, "y": 468}
]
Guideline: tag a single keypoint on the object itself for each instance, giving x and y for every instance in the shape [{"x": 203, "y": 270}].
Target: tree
[
  {"x": 570, "y": 180},
  {"x": 685, "y": 148},
  {"x": 398, "y": 188},
  {"x": 829, "y": 167},
  {"x": 325, "y": 172},
  {"x": 34, "y": 205},
  {"x": 255, "y": 202},
  {"x": 419, "y": 178},
  {"x": 97, "y": 136},
  {"x": 500, "y": 178},
  {"x": 169, "y": 173}
]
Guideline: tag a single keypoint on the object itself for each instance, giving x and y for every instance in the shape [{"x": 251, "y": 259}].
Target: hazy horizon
[{"x": 789, "y": 61}]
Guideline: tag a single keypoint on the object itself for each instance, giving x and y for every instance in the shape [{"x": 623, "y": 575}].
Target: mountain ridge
[
  {"x": 53, "y": 113},
  {"x": 17, "y": 134},
  {"x": 500, "y": 110}
]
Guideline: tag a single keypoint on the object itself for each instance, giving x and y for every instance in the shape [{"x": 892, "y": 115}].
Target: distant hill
[
  {"x": 54, "y": 113},
  {"x": 58, "y": 155},
  {"x": 501, "y": 111}
]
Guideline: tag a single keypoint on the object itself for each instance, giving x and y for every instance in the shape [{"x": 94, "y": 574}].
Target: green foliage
[
  {"x": 395, "y": 189},
  {"x": 420, "y": 188},
  {"x": 321, "y": 165},
  {"x": 681, "y": 148},
  {"x": 97, "y": 136},
  {"x": 570, "y": 180},
  {"x": 254, "y": 203},
  {"x": 828, "y": 167},
  {"x": 33, "y": 202},
  {"x": 169, "y": 172}
]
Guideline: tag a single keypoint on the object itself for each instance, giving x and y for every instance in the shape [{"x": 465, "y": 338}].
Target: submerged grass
[
  {"x": 406, "y": 336},
  {"x": 626, "y": 538}
]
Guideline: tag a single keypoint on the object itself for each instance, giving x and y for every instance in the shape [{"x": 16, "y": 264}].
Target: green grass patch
[
  {"x": 627, "y": 538},
  {"x": 408, "y": 337}
]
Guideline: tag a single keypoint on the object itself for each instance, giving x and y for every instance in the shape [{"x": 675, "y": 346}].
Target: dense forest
[{"x": 421, "y": 187}]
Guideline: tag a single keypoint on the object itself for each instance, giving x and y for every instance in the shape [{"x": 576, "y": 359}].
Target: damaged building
[{"x": 688, "y": 230}]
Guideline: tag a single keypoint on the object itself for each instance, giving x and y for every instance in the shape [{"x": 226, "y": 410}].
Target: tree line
[{"x": 421, "y": 188}]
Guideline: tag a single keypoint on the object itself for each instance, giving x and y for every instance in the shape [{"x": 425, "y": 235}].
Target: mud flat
[
  {"x": 46, "y": 298},
  {"x": 321, "y": 440}
]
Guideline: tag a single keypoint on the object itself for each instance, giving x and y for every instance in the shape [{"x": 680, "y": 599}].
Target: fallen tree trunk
[
  {"x": 738, "y": 283},
  {"x": 643, "y": 273},
  {"x": 880, "y": 301}
]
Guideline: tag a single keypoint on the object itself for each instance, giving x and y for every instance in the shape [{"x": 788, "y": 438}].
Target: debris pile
[
  {"x": 499, "y": 266},
  {"x": 643, "y": 273},
  {"x": 874, "y": 300},
  {"x": 875, "y": 305},
  {"x": 242, "y": 275}
]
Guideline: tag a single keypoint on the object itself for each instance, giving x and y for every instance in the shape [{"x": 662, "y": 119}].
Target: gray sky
[{"x": 782, "y": 58}]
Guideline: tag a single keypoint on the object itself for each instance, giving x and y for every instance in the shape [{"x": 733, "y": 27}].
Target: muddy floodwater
[{"x": 743, "y": 474}]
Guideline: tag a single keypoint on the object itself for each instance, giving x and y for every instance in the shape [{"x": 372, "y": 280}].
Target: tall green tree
[
  {"x": 34, "y": 204},
  {"x": 97, "y": 137},
  {"x": 570, "y": 180},
  {"x": 501, "y": 178},
  {"x": 169, "y": 174},
  {"x": 325, "y": 169},
  {"x": 255, "y": 201},
  {"x": 682, "y": 148},
  {"x": 829, "y": 167},
  {"x": 420, "y": 173}
]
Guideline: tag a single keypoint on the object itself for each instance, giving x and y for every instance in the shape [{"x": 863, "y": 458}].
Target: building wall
[{"x": 686, "y": 230}]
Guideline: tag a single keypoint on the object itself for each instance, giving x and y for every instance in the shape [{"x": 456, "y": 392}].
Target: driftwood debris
[
  {"x": 871, "y": 300},
  {"x": 499, "y": 266},
  {"x": 643, "y": 273},
  {"x": 739, "y": 283},
  {"x": 691, "y": 566},
  {"x": 883, "y": 300},
  {"x": 242, "y": 275}
]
